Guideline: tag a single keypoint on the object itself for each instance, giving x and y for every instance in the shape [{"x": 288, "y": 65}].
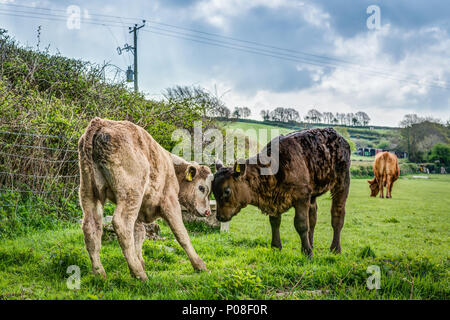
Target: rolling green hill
[{"x": 361, "y": 136}]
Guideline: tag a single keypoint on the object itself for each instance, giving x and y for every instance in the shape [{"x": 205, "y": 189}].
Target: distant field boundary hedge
[{"x": 303, "y": 125}]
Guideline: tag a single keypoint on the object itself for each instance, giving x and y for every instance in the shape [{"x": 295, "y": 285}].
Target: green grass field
[{"x": 407, "y": 237}]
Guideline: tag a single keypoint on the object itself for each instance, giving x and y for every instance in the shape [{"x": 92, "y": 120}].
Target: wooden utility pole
[{"x": 135, "y": 53}]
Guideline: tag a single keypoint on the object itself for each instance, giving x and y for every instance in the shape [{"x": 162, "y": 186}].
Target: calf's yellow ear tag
[
  {"x": 189, "y": 175},
  {"x": 238, "y": 167}
]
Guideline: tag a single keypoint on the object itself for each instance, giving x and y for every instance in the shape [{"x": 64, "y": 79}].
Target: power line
[
  {"x": 243, "y": 48},
  {"x": 57, "y": 17},
  {"x": 304, "y": 60},
  {"x": 287, "y": 58},
  {"x": 440, "y": 84}
]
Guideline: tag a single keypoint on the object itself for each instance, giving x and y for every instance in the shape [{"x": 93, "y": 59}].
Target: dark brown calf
[{"x": 311, "y": 162}]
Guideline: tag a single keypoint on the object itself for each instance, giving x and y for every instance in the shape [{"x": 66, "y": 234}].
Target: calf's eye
[{"x": 201, "y": 188}]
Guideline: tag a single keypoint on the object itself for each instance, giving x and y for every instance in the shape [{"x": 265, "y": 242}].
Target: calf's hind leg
[
  {"x": 275, "y": 222},
  {"x": 92, "y": 225},
  {"x": 381, "y": 183},
  {"x": 337, "y": 216},
  {"x": 124, "y": 220},
  {"x": 312, "y": 220},
  {"x": 389, "y": 187},
  {"x": 301, "y": 223}
]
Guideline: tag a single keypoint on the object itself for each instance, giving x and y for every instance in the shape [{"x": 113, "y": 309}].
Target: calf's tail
[{"x": 86, "y": 155}]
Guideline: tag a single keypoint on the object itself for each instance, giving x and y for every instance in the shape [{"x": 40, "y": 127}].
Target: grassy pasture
[{"x": 407, "y": 237}]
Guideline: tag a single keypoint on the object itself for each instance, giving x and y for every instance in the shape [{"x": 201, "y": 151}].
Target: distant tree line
[
  {"x": 291, "y": 115},
  {"x": 359, "y": 118},
  {"x": 217, "y": 108}
]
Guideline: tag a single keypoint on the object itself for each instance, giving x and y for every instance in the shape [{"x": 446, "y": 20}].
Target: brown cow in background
[{"x": 386, "y": 171}]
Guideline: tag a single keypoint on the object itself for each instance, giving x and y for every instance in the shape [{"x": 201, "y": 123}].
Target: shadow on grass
[
  {"x": 250, "y": 243},
  {"x": 200, "y": 227}
]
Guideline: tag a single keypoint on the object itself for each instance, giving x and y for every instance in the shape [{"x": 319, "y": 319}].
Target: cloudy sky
[{"x": 331, "y": 55}]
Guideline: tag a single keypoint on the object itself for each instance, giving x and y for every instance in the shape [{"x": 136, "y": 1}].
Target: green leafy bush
[
  {"x": 361, "y": 171},
  {"x": 239, "y": 285},
  {"x": 408, "y": 168},
  {"x": 20, "y": 214},
  {"x": 440, "y": 153},
  {"x": 47, "y": 101}
]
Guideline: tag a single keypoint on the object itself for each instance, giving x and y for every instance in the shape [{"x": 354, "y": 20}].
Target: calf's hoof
[
  {"x": 335, "y": 249},
  {"x": 100, "y": 271},
  {"x": 276, "y": 246},
  {"x": 200, "y": 266},
  {"x": 308, "y": 252},
  {"x": 141, "y": 276}
]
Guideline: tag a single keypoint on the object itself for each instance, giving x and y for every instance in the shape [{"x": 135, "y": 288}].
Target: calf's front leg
[
  {"x": 275, "y": 222},
  {"x": 139, "y": 237},
  {"x": 171, "y": 212}
]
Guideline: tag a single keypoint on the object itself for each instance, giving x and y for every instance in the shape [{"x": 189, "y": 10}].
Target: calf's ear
[
  {"x": 191, "y": 171},
  {"x": 239, "y": 168},
  {"x": 219, "y": 164}
]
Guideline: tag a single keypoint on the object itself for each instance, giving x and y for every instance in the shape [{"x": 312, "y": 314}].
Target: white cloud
[
  {"x": 219, "y": 13},
  {"x": 373, "y": 89}
]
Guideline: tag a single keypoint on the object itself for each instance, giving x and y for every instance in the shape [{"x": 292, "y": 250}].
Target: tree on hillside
[
  {"x": 236, "y": 113},
  {"x": 406, "y": 123},
  {"x": 314, "y": 116},
  {"x": 363, "y": 118},
  {"x": 348, "y": 118},
  {"x": 278, "y": 114},
  {"x": 274, "y": 114},
  {"x": 265, "y": 115},
  {"x": 196, "y": 97},
  {"x": 341, "y": 118},
  {"x": 246, "y": 112},
  {"x": 328, "y": 117},
  {"x": 291, "y": 115},
  {"x": 419, "y": 135},
  {"x": 410, "y": 119},
  {"x": 221, "y": 111},
  {"x": 334, "y": 120},
  {"x": 241, "y": 112}
]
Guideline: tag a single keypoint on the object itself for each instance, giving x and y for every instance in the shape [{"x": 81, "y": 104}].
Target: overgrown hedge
[
  {"x": 364, "y": 169},
  {"x": 46, "y": 101}
]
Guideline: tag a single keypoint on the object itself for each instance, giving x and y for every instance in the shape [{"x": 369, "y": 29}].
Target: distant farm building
[{"x": 371, "y": 152}]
